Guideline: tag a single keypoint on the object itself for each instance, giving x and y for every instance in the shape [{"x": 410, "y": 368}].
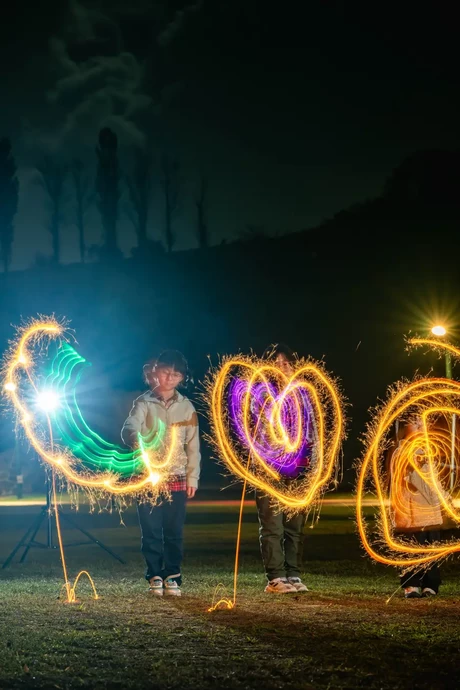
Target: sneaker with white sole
[
  {"x": 412, "y": 592},
  {"x": 428, "y": 592},
  {"x": 156, "y": 586},
  {"x": 172, "y": 589},
  {"x": 279, "y": 586},
  {"x": 298, "y": 584}
]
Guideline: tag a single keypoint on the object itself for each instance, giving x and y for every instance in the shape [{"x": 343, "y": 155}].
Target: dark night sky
[{"x": 293, "y": 112}]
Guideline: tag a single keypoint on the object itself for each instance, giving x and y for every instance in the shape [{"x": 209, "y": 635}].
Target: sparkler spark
[{"x": 415, "y": 494}]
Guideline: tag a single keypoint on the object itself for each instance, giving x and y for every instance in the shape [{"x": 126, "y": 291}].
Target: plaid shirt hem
[{"x": 177, "y": 484}]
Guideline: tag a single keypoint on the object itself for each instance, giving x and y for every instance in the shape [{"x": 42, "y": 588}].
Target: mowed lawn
[{"x": 343, "y": 634}]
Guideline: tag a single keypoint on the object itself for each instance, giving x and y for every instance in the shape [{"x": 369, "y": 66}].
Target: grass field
[{"x": 342, "y": 634}]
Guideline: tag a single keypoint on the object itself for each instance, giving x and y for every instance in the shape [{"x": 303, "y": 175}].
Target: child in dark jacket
[{"x": 281, "y": 537}]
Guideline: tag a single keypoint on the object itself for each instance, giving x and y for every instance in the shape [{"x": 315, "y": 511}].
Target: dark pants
[
  {"x": 162, "y": 528},
  {"x": 281, "y": 539},
  {"x": 424, "y": 577}
]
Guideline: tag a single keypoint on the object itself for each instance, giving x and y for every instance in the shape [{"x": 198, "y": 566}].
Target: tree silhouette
[
  {"x": 9, "y": 193},
  {"x": 82, "y": 200},
  {"x": 140, "y": 189},
  {"x": 108, "y": 189},
  {"x": 52, "y": 177},
  {"x": 202, "y": 225},
  {"x": 171, "y": 186}
]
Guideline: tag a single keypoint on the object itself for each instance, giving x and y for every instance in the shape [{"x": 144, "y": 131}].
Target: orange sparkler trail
[
  {"x": 21, "y": 360},
  {"x": 415, "y": 492},
  {"x": 19, "y": 366},
  {"x": 69, "y": 589},
  {"x": 231, "y": 603}
]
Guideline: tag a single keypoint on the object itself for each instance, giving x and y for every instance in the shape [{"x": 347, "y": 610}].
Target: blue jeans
[{"x": 162, "y": 528}]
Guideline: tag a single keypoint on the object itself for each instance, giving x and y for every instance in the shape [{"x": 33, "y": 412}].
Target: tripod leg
[
  {"x": 42, "y": 516},
  {"x": 34, "y": 527},
  {"x": 89, "y": 536},
  {"x": 49, "y": 530}
]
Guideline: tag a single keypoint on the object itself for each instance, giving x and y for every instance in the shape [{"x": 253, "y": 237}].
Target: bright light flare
[
  {"x": 48, "y": 401},
  {"x": 154, "y": 478},
  {"x": 439, "y": 330}
]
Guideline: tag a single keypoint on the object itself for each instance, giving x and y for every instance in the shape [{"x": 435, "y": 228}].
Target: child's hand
[{"x": 191, "y": 491}]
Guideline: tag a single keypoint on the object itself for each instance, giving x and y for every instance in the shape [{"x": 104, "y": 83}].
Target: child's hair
[
  {"x": 169, "y": 358},
  {"x": 273, "y": 351},
  {"x": 174, "y": 360}
]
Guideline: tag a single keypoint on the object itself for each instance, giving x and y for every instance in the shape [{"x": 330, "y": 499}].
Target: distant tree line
[
  {"x": 72, "y": 183},
  {"x": 424, "y": 180}
]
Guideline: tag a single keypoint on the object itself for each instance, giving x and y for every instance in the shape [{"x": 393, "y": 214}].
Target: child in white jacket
[{"x": 162, "y": 524}]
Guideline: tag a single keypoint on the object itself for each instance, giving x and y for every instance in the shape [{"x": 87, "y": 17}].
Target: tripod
[{"x": 28, "y": 541}]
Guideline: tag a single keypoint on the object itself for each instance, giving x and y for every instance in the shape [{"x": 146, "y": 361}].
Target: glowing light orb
[
  {"x": 270, "y": 428},
  {"x": 48, "y": 400},
  {"x": 75, "y": 451},
  {"x": 414, "y": 494},
  {"x": 438, "y": 330}
]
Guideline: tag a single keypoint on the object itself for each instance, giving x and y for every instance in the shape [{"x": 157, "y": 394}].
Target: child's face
[
  {"x": 283, "y": 365},
  {"x": 168, "y": 378}
]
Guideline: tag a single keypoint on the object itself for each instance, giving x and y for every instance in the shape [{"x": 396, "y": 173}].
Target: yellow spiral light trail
[{"x": 424, "y": 456}]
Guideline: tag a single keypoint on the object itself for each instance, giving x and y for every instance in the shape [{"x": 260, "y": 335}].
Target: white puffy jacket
[{"x": 181, "y": 413}]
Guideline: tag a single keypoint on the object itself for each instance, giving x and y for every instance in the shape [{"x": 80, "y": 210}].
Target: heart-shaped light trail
[
  {"x": 268, "y": 427},
  {"x": 280, "y": 434},
  {"x": 425, "y": 455}
]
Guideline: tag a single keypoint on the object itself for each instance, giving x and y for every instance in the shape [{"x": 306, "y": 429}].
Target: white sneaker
[
  {"x": 298, "y": 584},
  {"x": 171, "y": 587},
  {"x": 412, "y": 592},
  {"x": 428, "y": 592},
  {"x": 279, "y": 586},
  {"x": 156, "y": 586}
]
